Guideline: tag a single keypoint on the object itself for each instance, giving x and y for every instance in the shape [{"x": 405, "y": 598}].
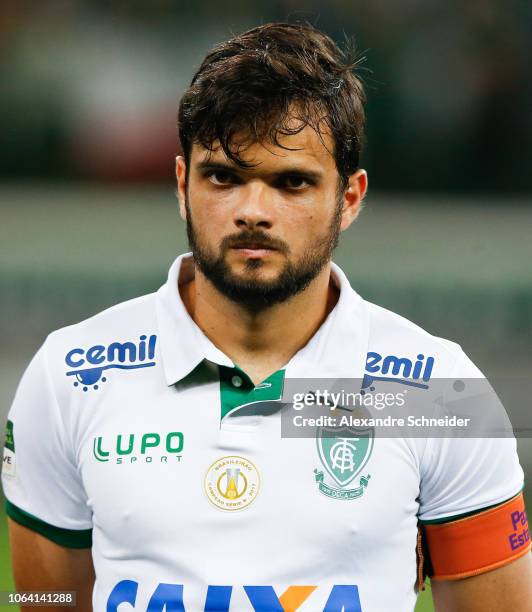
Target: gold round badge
[{"x": 232, "y": 483}]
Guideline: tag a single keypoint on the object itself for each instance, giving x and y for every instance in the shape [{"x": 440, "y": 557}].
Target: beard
[{"x": 252, "y": 292}]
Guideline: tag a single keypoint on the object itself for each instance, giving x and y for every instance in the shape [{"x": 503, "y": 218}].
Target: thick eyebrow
[
  {"x": 207, "y": 166},
  {"x": 311, "y": 175}
]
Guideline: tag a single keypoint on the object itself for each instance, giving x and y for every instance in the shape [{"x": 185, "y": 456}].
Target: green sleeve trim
[
  {"x": 457, "y": 517},
  {"x": 70, "y": 538}
]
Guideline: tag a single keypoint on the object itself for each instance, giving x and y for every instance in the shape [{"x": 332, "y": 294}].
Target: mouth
[{"x": 253, "y": 250}]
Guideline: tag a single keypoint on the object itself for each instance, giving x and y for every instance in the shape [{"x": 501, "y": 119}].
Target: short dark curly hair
[{"x": 256, "y": 83}]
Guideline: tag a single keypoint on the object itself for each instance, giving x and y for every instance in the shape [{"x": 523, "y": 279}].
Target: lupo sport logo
[{"x": 90, "y": 364}]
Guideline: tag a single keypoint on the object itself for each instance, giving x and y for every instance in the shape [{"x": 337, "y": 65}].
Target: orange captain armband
[{"x": 477, "y": 543}]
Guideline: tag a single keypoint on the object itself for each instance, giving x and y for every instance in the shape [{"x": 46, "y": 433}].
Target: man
[{"x": 144, "y": 454}]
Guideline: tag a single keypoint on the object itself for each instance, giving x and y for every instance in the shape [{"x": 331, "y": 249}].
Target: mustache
[{"x": 255, "y": 239}]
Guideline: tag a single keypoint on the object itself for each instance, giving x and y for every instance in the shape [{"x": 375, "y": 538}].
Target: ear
[
  {"x": 180, "y": 172},
  {"x": 354, "y": 193}
]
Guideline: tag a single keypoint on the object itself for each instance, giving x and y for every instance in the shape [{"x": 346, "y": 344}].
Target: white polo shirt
[{"x": 125, "y": 432}]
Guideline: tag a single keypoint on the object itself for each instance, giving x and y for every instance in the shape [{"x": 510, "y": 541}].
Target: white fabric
[{"x": 152, "y": 521}]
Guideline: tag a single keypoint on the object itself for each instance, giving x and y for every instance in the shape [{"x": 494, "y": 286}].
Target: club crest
[{"x": 343, "y": 454}]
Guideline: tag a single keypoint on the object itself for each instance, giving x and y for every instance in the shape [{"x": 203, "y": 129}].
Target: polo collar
[
  {"x": 338, "y": 349},
  {"x": 182, "y": 343}
]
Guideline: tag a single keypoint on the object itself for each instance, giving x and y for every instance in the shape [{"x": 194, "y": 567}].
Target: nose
[{"x": 254, "y": 208}]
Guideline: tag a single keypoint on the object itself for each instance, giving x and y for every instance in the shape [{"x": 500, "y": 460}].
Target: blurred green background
[{"x": 88, "y": 216}]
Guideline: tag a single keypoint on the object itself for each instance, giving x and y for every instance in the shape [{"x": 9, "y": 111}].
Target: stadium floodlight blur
[{"x": 93, "y": 87}]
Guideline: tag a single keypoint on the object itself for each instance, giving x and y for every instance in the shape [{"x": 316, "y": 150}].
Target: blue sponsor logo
[
  {"x": 413, "y": 373},
  {"x": 90, "y": 364},
  {"x": 169, "y": 597}
]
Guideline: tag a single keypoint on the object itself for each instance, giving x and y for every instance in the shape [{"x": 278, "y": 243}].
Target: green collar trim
[{"x": 237, "y": 388}]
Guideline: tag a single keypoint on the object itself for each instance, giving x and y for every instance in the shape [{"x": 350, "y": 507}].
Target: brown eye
[
  {"x": 220, "y": 177},
  {"x": 294, "y": 183}
]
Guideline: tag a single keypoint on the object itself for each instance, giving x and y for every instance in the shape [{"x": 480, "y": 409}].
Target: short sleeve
[
  {"x": 461, "y": 475},
  {"x": 41, "y": 482}
]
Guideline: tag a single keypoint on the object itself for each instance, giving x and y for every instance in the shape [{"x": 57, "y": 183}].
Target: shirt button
[{"x": 237, "y": 381}]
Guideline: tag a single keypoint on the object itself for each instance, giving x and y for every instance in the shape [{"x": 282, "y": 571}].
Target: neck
[{"x": 259, "y": 342}]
